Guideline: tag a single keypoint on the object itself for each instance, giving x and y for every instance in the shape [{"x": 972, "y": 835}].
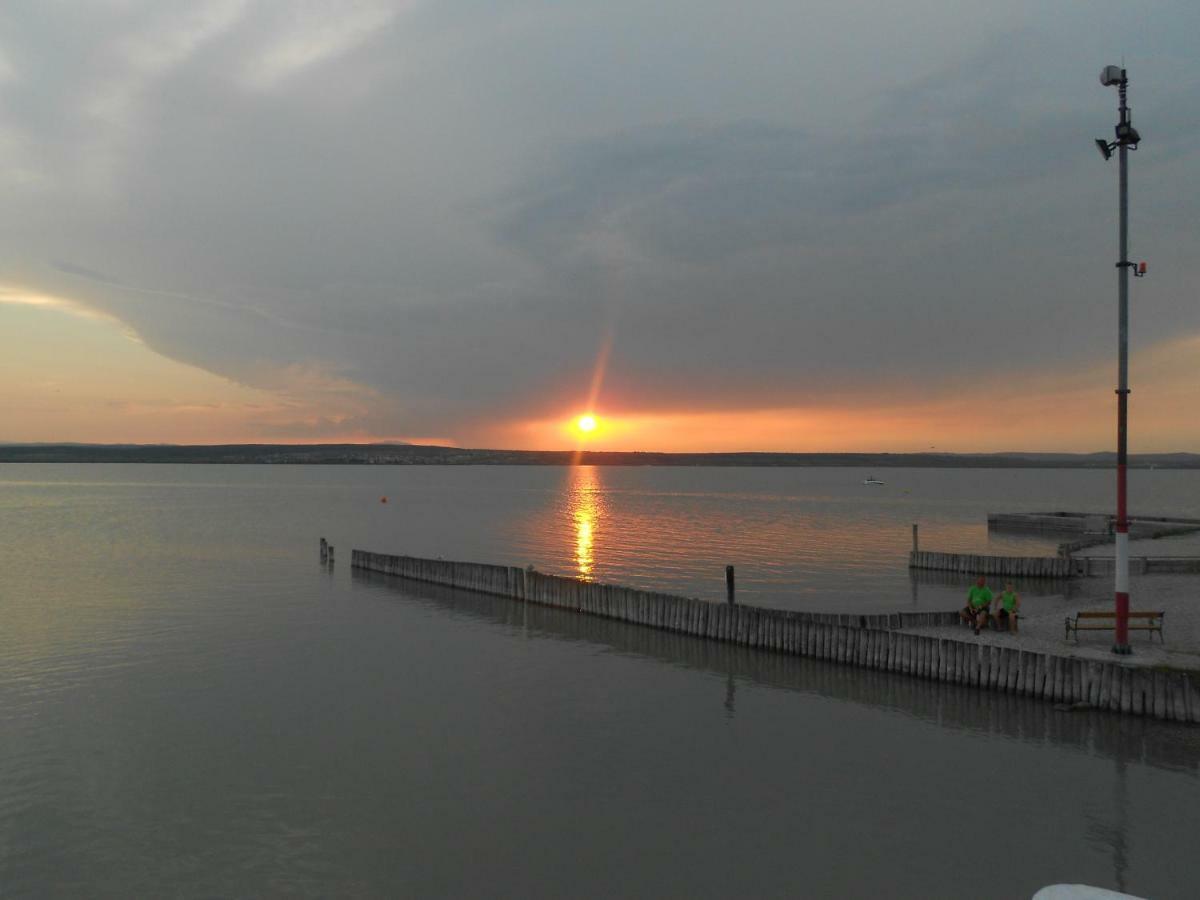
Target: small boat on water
[{"x": 871, "y": 479}]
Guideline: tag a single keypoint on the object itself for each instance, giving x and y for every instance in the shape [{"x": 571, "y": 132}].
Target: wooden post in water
[
  {"x": 729, "y": 587},
  {"x": 915, "y": 545},
  {"x": 324, "y": 550},
  {"x": 331, "y": 554}
]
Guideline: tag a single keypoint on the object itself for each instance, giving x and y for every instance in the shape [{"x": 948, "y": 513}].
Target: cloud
[
  {"x": 317, "y": 33},
  {"x": 433, "y": 217},
  {"x": 18, "y": 296}
]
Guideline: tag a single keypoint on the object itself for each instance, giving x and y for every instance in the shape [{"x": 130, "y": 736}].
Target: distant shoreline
[{"x": 415, "y": 454}]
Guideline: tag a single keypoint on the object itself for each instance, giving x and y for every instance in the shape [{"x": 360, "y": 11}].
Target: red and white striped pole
[{"x": 1127, "y": 137}]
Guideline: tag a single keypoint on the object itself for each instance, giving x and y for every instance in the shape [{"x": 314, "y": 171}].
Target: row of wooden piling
[
  {"x": 1049, "y": 566},
  {"x": 1138, "y": 565},
  {"x": 871, "y": 641},
  {"x": 1068, "y": 522},
  {"x": 669, "y": 611},
  {"x": 1004, "y": 714},
  {"x": 978, "y": 564}
]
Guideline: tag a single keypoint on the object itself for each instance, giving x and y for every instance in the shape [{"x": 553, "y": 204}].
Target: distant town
[{"x": 392, "y": 454}]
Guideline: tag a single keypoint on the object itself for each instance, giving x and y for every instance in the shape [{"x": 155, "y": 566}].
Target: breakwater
[
  {"x": 1063, "y": 566},
  {"x": 1005, "y": 714},
  {"x": 1138, "y": 565},
  {"x": 877, "y": 641},
  {"x": 752, "y": 626},
  {"x": 1096, "y": 530},
  {"x": 1061, "y": 522},
  {"x": 1092, "y": 523},
  {"x": 979, "y": 564}
]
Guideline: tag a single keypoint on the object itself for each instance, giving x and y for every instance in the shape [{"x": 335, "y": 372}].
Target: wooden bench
[{"x": 1107, "y": 621}]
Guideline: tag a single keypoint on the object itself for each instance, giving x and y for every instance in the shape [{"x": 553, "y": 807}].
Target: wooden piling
[
  {"x": 1000, "y": 669},
  {"x": 1178, "y": 705},
  {"x": 1192, "y": 697},
  {"x": 971, "y": 563},
  {"x": 868, "y": 641}
]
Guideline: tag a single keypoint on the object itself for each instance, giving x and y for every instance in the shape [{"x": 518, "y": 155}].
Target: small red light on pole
[{"x": 1142, "y": 267}]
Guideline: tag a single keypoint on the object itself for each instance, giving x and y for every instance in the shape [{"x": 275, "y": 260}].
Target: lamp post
[{"x": 1127, "y": 139}]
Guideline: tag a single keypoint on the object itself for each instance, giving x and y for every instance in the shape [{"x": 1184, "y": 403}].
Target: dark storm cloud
[{"x": 454, "y": 207}]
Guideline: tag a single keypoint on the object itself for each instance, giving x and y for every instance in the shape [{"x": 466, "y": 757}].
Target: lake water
[{"x": 191, "y": 706}]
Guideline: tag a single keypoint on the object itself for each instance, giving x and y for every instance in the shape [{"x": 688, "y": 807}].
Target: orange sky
[{"x": 68, "y": 374}]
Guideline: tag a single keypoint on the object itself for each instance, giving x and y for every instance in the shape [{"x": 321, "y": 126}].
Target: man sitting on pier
[
  {"x": 1007, "y": 608},
  {"x": 979, "y": 602}
]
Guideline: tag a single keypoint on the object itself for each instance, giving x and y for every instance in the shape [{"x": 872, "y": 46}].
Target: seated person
[
  {"x": 1007, "y": 607},
  {"x": 979, "y": 601}
]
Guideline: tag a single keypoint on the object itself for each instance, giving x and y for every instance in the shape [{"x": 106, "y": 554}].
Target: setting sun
[{"x": 586, "y": 423}]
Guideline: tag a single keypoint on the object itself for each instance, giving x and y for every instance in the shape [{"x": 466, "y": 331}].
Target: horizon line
[{"x": 572, "y": 450}]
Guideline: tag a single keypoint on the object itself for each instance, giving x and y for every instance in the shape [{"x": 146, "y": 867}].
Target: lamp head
[
  {"x": 1102, "y": 146},
  {"x": 1127, "y": 134},
  {"x": 1111, "y": 75}
]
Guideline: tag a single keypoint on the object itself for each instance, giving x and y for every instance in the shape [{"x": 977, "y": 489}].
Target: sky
[{"x": 803, "y": 226}]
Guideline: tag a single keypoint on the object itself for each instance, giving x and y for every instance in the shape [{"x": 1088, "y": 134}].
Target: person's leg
[{"x": 1012, "y": 621}]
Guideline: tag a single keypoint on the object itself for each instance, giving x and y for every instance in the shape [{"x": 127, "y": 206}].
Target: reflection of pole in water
[
  {"x": 730, "y": 689},
  {"x": 1113, "y": 836},
  {"x": 1119, "y": 841},
  {"x": 912, "y": 583}
]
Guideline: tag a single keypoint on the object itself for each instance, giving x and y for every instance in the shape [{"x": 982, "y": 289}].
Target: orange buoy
[{"x": 383, "y": 499}]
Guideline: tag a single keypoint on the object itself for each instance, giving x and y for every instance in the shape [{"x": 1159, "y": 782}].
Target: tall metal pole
[{"x": 1121, "y": 645}]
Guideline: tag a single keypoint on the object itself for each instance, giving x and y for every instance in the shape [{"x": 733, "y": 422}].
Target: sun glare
[{"x": 586, "y": 423}]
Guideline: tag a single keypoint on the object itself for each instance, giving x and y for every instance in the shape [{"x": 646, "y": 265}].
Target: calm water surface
[{"x": 191, "y": 706}]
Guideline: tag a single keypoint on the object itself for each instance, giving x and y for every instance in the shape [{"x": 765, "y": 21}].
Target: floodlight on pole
[{"x": 1127, "y": 139}]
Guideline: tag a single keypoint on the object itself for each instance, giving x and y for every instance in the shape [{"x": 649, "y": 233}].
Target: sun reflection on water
[{"x": 584, "y": 505}]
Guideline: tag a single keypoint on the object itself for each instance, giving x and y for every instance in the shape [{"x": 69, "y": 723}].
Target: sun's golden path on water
[{"x": 584, "y": 508}]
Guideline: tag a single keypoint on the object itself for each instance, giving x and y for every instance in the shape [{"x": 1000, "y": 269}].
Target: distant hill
[{"x": 392, "y": 454}]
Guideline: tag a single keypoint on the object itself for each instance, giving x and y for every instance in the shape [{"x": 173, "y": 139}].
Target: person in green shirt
[
  {"x": 1007, "y": 607},
  {"x": 979, "y": 603}
]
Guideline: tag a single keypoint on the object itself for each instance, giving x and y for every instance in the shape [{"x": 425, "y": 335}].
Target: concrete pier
[
  {"x": 879, "y": 641},
  {"x": 1007, "y": 714}
]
